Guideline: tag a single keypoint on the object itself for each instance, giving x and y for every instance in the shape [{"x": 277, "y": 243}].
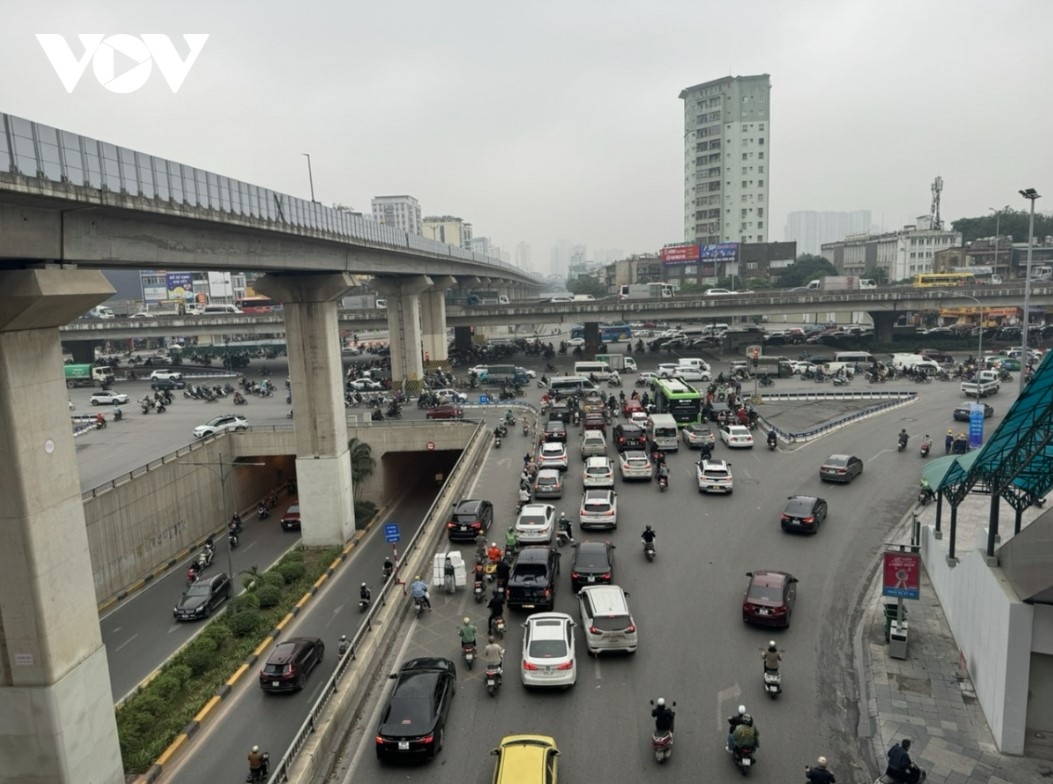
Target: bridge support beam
[
  {"x": 57, "y": 723},
  {"x": 883, "y": 323},
  {"x": 462, "y": 339},
  {"x": 404, "y": 330},
  {"x": 433, "y": 322},
  {"x": 592, "y": 339},
  {"x": 323, "y": 462}
]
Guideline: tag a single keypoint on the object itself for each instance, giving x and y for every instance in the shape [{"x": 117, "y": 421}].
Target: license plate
[
  {"x": 464, "y": 528},
  {"x": 746, "y": 762},
  {"x": 763, "y": 611},
  {"x": 592, "y": 579},
  {"x": 714, "y": 487},
  {"x": 528, "y": 607},
  {"x": 403, "y": 745},
  {"x": 275, "y": 684},
  {"x": 490, "y": 681}
]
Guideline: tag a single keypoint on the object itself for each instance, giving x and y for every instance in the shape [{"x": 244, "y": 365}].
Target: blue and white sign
[
  {"x": 976, "y": 425},
  {"x": 484, "y": 399},
  {"x": 391, "y": 533}
]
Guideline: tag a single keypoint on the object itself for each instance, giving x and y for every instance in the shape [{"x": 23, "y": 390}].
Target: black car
[
  {"x": 167, "y": 383},
  {"x": 803, "y": 513},
  {"x": 470, "y": 517},
  {"x": 290, "y": 663},
  {"x": 715, "y": 409},
  {"x": 556, "y": 431},
  {"x": 532, "y": 580},
  {"x": 559, "y": 412},
  {"x": 962, "y": 413},
  {"x": 414, "y": 720},
  {"x": 629, "y": 436},
  {"x": 202, "y": 598},
  {"x": 840, "y": 468},
  {"x": 593, "y": 564}
]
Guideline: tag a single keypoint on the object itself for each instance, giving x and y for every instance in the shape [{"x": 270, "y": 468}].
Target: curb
[{"x": 158, "y": 766}]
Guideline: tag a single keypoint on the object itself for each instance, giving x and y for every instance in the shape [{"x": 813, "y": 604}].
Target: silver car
[
  {"x": 599, "y": 509},
  {"x": 549, "y": 484},
  {"x": 593, "y": 444},
  {"x": 635, "y": 465}
]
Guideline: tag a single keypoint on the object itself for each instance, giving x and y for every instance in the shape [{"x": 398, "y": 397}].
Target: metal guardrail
[
  {"x": 280, "y": 772},
  {"x": 892, "y": 400}
]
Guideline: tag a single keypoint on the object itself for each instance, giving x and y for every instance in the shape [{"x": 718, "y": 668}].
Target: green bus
[{"x": 681, "y": 400}]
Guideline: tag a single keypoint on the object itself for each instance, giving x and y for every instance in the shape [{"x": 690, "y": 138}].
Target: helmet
[
  {"x": 647, "y": 528},
  {"x": 771, "y": 646},
  {"x": 491, "y": 638},
  {"x": 417, "y": 577},
  {"x": 742, "y": 710},
  {"x": 467, "y": 619},
  {"x": 821, "y": 762},
  {"x": 511, "y": 528},
  {"x": 363, "y": 585},
  {"x": 255, "y": 749},
  {"x": 660, "y": 702}
]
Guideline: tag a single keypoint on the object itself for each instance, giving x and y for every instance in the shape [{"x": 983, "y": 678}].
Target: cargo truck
[
  {"x": 646, "y": 291},
  {"x": 86, "y": 375},
  {"x": 486, "y": 298},
  {"x": 986, "y": 383},
  {"x": 839, "y": 283},
  {"x": 620, "y": 362}
]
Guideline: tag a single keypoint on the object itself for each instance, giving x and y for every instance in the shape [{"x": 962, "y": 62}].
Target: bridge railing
[
  {"x": 886, "y": 400},
  {"x": 39, "y": 152}
]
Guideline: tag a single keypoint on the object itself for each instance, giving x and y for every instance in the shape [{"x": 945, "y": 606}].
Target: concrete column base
[
  {"x": 404, "y": 330},
  {"x": 327, "y": 482},
  {"x": 57, "y": 734}
]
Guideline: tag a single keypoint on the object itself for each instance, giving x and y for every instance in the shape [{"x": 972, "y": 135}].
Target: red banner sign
[
  {"x": 679, "y": 253},
  {"x": 902, "y": 575}
]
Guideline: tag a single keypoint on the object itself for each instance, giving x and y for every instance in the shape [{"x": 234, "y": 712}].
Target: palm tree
[{"x": 363, "y": 464}]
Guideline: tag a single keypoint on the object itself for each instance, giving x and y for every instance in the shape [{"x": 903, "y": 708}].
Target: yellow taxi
[{"x": 526, "y": 759}]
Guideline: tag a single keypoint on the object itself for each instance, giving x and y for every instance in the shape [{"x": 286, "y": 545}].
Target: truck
[
  {"x": 986, "y": 383},
  {"x": 486, "y": 298},
  {"x": 620, "y": 362},
  {"x": 360, "y": 302},
  {"x": 840, "y": 283},
  {"x": 646, "y": 291},
  {"x": 86, "y": 375},
  {"x": 915, "y": 362}
]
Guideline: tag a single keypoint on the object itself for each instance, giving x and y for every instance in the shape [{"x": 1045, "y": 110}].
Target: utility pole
[{"x": 1031, "y": 195}]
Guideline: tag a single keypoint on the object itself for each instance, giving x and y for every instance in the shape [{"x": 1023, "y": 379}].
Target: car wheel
[
  {"x": 851, "y": 478},
  {"x": 301, "y": 681},
  {"x": 441, "y": 740}
]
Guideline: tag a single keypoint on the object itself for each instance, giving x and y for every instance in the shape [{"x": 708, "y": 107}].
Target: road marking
[
  {"x": 126, "y": 642},
  {"x": 336, "y": 611},
  {"x": 731, "y": 693},
  {"x": 879, "y": 454},
  {"x": 596, "y": 667}
]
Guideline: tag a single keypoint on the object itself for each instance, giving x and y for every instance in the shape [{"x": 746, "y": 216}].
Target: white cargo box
[{"x": 460, "y": 577}]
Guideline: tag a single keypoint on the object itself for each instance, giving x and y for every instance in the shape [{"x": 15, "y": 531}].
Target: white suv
[
  {"x": 220, "y": 424},
  {"x": 166, "y": 375},
  {"x": 598, "y": 472},
  {"x": 714, "y": 476},
  {"x": 536, "y": 524}
]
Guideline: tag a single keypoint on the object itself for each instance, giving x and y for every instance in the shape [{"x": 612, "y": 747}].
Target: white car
[
  {"x": 165, "y": 375},
  {"x": 220, "y": 424},
  {"x": 553, "y": 454},
  {"x": 576, "y": 342},
  {"x": 736, "y": 437},
  {"x": 669, "y": 370},
  {"x": 688, "y": 373},
  {"x": 714, "y": 476},
  {"x": 366, "y": 385},
  {"x": 548, "y": 650},
  {"x": 593, "y": 443},
  {"x": 598, "y": 472},
  {"x": 106, "y": 398},
  {"x": 599, "y": 509},
  {"x": 536, "y": 524},
  {"x": 635, "y": 464},
  {"x": 719, "y": 292},
  {"x": 450, "y": 395},
  {"x": 142, "y": 314}
]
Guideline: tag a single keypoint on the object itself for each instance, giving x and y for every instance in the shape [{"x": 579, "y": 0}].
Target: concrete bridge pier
[
  {"x": 404, "y": 329},
  {"x": 323, "y": 464},
  {"x": 433, "y": 322},
  {"x": 592, "y": 340},
  {"x": 883, "y": 323},
  {"x": 57, "y": 723},
  {"x": 462, "y": 338}
]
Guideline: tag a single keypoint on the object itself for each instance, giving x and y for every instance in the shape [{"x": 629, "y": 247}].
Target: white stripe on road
[{"x": 732, "y": 694}]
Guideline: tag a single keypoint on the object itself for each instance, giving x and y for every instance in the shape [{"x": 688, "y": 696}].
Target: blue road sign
[
  {"x": 391, "y": 533},
  {"x": 976, "y": 425},
  {"x": 484, "y": 399}
]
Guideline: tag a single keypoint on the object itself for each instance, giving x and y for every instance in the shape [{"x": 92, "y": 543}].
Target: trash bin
[
  {"x": 897, "y": 644},
  {"x": 891, "y": 614}
]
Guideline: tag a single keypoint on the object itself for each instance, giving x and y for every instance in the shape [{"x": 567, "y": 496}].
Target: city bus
[
  {"x": 926, "y": 280},
  {"x": 609, "y": 333},
  {"x": 258, "y": 305},
  {"x": 683, "y": 401}
]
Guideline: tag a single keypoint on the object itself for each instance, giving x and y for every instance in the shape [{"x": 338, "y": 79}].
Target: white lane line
[
  {"x": 597, "y": 673},
  {"x": 730, "y": 694},
  {"x": 126, "y": 642}
]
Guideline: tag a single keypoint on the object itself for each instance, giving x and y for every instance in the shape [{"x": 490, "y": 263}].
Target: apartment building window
[
  {"x": 760, "y": 212},
  {"x": 743, "y": 156},
  {"x": 744, "y": 212},
  {"x": 760, "y": 183},
  {"x": 760, "y": 224},
  {"x": 743, "y": 183},
  {"x": 760, "y": 140},
  {"x": 760, "y": 170},
  {"x": 761, "y": 126},
  {"x": 760, "y": 155}
]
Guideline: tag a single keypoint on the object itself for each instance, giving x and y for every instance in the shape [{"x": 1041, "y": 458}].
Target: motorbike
[
  {"x": 118, "y": 415},
  {"x": 562, "y": 537},
  {"x": 510, "y": 420},
  {"x": 262, "y": 512},
  {"x": 766, "y": 381},
  {"x": 925, "y": 495},
  {"x": 648, "y": 548},
  {"x": 239, "y": 400},
  {"x": 377, "y": 415},
  {"x": 497, "y": 442},
  {"x": 387, "y": 570},
  {"x": 232, "y": 540},
  {"x": 499, "y": 626},
  {"x": 364, "y": 602},
  {"x": 161, "y": 408},
  {"x": 468, "y": 649},
  {"x": 100, "y": 424},
  {"x": 662, "y": 743},
  {"x": 204, "y": 560},
  {"x": 663, "y": 482},
  {"x": 260, "y": 774},
  {"x": 840, "y": 381},
  {"x": 418, "y": 606},
  {"x": 192, "y": 573},
  {"x": 772, "y": 443},
  {"x": 526, "y": 430},
  {"x": 501, "y": 431},
  {"x": 773, "y": 683},
  {"x": 902, "y": 444},
  {"x": 146, "y": 408},
  {"x": 925, "y": 447},
  {"x": 744, "y": 758},
  {"x": 344, "y": 647},
  {"x": 289, "y": 415},
  {"x": 493, "y": 678},
  {"x": 479, "y": 590}
]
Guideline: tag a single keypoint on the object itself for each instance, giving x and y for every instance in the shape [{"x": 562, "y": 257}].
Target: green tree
[
  {"x": 807, "y": 267},
  {"x": 1007, "y": 222},
  {"x": 586, "y": 284},
  {"x": 363, "y": 464}
]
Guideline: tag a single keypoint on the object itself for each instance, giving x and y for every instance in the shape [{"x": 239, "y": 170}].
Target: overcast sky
[{"x": 541, "y": 121}]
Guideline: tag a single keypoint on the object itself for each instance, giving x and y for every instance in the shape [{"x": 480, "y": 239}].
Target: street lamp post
[
  {"x": 223, "y": 491},
  {"x": 1031, "y": 195},
  {"x": 310, "y": 174},
  {"x": 980, "y": 344}
]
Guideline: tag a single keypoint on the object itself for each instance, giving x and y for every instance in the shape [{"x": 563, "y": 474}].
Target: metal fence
[
  {"x": 891, "y": 400},
  {"x": 36, "y": 151}
]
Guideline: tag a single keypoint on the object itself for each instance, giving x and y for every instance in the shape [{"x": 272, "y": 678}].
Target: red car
[
  {"x": 631, "y": 404},
  {"x": 446, "y": 411},
  {"x": 769, "y": 598}
]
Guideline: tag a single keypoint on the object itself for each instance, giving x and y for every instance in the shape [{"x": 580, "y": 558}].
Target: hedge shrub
[
  {"x": 292, "y": 571},
  {"x": 269, "y": 596}
]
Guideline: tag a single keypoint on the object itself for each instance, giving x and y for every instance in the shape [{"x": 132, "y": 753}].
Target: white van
[
  {"x": 862, "y": 358},
  {"x": 916, "y": 362},
  {"x": 663, "y": 433},
  {"x": 101, "y": 312},
  {"x": 606, "y": 620},
  {"x": 216, "y": 309},
  {"x": 601, "y": 369}
]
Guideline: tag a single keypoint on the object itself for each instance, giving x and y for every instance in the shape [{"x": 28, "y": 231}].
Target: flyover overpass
[{"x": 884, "y": 305}]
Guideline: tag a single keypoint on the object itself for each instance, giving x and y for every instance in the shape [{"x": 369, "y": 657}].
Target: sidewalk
[{"x": 928, "y": 697}]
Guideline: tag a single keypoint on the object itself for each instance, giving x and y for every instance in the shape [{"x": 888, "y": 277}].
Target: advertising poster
[
  {"x": 976, "y": 425},
  {"x": 722, "y": 251},
  {"x": 679, "y": 254},
  {"x": 180, "y": 285},
  {"x": 902, "y": 575}
]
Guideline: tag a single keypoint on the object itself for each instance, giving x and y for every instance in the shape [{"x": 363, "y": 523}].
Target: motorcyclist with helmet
[
  {"x": 466, "y": 632},
  {"x": 364, "y": 593},
  {"x": 511, "y": 539},
  {"x": 733, "y": 722},
  {"x": 773, "y": 438},
  {"x": 745, "y": 733},
  {"x": 564, "y": 525},
  {"x": 257, "y": 765},
  {"x": 648, "y": 535},
  {"x": 419, "y": 591},
  {"x": 496, "y": 606},
  {"x": 771, "y": 657},
  {"x": 664, "y": 717},
  {"x": 819, "y": 774},
  {"x": 901, "y": 767}
]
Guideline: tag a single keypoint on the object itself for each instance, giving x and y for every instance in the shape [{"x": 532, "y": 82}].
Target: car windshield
[
  {"x": 547, "y": 480},
  {"x": 597, "y": 469},
  {"x": 198, "y": 589},
  {"x": 217, "y": 421},
  {"x": 837, "y": 461},
  {"x": 799, "y": 507},
  {"x": 765, "y": 593},
  {"x": 547, "y": 649},
  {"x": 591, "y": 559},
  {"x": 530, "y": 571},
  {"x": 554, "y": 450},
  {"x": 465, "y": 517},
  {"x": 715, "y": 473}
]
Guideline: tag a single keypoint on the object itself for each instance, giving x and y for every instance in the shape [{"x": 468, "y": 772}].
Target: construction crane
[{"x": 937, "y": 188}]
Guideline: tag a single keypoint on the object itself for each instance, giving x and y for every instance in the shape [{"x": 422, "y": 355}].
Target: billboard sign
[
  {"x": 902, "y": 575},
  {"x": 180, "y": 285},
  {"x": 976, "y": 425},
  {"x": 722, "y": 251},
  {"x": 679, "y": 254}
]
